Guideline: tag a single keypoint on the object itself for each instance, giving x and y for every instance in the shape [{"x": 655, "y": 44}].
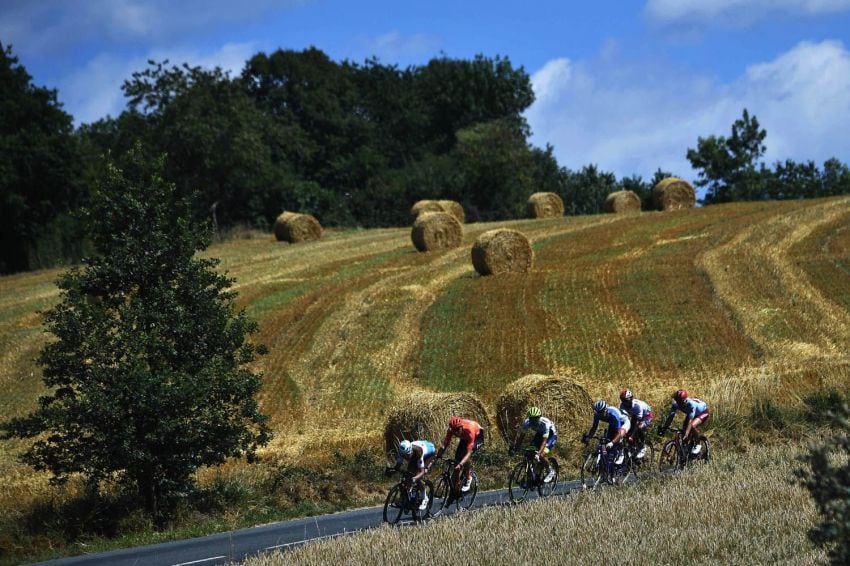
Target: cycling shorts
[
  {"x": 700, "y": 418},
  {"x": 463, "y": 448}
]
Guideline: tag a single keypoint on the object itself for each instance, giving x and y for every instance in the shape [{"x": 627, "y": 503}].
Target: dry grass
[
  {"x": 502, "y": 251},
  {"x": 544, "y": 205},
  {"x": 434, "y": 231},
  {"x": 295, "y": 228},
  {"x": 673, "y": 193},
  {"x": 741, "y": 509},
  {"x": 622, "y": 202}
]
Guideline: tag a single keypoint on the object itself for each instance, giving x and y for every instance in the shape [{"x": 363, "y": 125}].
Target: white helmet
[{"x": 405, "y": 447}]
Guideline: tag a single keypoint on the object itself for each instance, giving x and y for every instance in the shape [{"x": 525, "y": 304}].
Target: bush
[
  {"x": 820, "y": 404},
  {"x": 827, "y": 477}
]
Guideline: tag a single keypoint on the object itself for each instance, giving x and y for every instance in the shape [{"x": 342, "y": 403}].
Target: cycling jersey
[
  {"x": 421, "y": 448},
  {"x": 639, "y": 410},
  {"x": 544, "y": 428},
  {"x": 615, "y": 418},
  {"x": 691, "y": 407},
  {"x": 469, "y": 432}
]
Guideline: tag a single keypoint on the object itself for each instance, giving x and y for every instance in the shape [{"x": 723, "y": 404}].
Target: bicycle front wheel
[
  {"x": 395, "y": 504},
  {"x": 442, "y": 496},
  {"x": 592, "y": 470},
  {"x": 668, "y": 460},
  {"x": 465, "y": 498},
  {"x": 546, "y": 488},
  {"x": 644, "y": 464},
  {"x": 518, "y": 482}
]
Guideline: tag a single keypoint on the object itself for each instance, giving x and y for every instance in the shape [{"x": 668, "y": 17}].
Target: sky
[{"x": 628, "y": 85}]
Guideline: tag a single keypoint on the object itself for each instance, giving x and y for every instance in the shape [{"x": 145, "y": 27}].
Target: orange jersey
[{"x": 468, "y": 431}]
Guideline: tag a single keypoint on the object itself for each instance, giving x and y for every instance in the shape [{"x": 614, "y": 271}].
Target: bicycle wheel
[
  {"x": 704, "y": 453},
  {"x": 442, "y": 496},
  {"x": 546, "y": 489},
  {"x": 418, "y": 513},
  {"x": 625, "y": 471},
  {"x": 395, "y": 505},
  {"x": 643, "y": 465},
  {"x": 592, "y": 470},
  {"x": 465, "y": 498},
  {"x": 668, "y": 460},
  {"x": 518, "y": 482}
]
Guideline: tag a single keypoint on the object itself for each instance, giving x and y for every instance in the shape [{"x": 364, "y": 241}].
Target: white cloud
[
  {"x": 634, "y": 118},
  {"x": 394, "y": 46},
  {"x": 736, "y": 12},
  {"x": 94, "y": 91},
  {"x": 552, "y": 78}
]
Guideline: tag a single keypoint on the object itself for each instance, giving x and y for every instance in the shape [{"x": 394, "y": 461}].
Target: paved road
[{"x": 237, "y": 545}]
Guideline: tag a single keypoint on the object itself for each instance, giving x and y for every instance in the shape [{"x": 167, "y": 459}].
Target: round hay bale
[
  {"x": 424, "y": 206},
  {"x": 560, "y": 399},
  {"x": 622, "y": 202},
  {"x": 293, "y": 228},
  {"x": 436, "y": 231},
  {"x": 500, "y": 251},
  {"x": 673, "y": 193},
  {"x": 454, "y": 208},
  {"x": 544, "y": 205},
  {"x": 424, "y": 415}
]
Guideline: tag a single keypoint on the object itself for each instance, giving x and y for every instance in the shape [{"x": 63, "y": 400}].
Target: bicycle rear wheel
[
  {"x": 395, "y": 505},
  {"x": 592, "y": 470},
  {"x": 668, "y": 460},
  {"x": 704, "y": 454},
  {"x": 442, "y": 496},
  {"x": 518, "y": 482},
  {"x": 644, "y": 465},
  {"x": 545, "y": 489},
  {"x": 418, "y": 513},
  {"x": 466, "y": 498}
]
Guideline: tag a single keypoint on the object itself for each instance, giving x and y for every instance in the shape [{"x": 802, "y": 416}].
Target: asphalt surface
[{"x": 234, "y": 546}]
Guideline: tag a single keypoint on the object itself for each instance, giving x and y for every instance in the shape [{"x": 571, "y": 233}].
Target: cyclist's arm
[
  {"x": 668, "y": 420},
  {"x": 542, "y": 447},
  {"x": 445, "y": 443},
  {"x": 592, "y": 430}
]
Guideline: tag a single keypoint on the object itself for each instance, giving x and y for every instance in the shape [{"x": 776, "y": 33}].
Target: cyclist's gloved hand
[{"x": 609, "y": 446}]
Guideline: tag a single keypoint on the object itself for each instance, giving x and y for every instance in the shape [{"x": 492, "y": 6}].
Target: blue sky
[{"x": 628, "y": 85}]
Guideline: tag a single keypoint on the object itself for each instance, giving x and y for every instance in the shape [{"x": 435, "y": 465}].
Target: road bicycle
[
  {"x": 447, "y": 490},
  {"x": 600, "y": 466},
  {"x": 676, "y": 455},
  {"x": 641, "y": 463},
  {"x": 531, "y": 474},
  {"x": 405, "y": 498}
]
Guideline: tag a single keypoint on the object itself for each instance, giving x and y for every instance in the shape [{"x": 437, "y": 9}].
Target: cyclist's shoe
[
  {"x": 424, "y": 505},
  {"x": 620, "y": 458},
  {"x": 696, "y": 450},
  {"x": 641, "y": 453},
  {"x": 466, "y": 485},
  {"x": 550, "y": 476}
]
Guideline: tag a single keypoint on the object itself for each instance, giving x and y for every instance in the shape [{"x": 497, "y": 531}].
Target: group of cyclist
[{"x": 628, "y": 422}]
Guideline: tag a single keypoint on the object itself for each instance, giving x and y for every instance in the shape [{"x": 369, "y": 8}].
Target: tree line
[{"x": 354, "y": 144}]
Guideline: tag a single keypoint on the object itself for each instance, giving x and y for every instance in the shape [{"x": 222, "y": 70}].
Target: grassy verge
[{"x": 740, "y": 509}]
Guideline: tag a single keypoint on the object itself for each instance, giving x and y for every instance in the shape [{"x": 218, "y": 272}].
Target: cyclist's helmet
[
  {"x": 626, "y": 396},
  {"x": 455, "y": 422},
  {"x": 405, "y": 447},
  {"x": 680, "y": 395},
  {"x": 600, "y": 406},
  {"x": 534, "y": 413}
]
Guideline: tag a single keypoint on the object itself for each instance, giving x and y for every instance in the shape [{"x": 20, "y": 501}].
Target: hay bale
[
  {"x": 436, "y": 231},
  {"x": 500, "y": 251},
  {"x": 293, "y": 228},
  {"x": 425, "y": 415},
  {"x": 673, "y": 193},
  {"x": 544, "y": 205},
  {"x": 454, "y": 208},
  {"x": 560, "y": 399},
  {"x": 423, "y": 206},
  {"x": 622, "y": 202}
]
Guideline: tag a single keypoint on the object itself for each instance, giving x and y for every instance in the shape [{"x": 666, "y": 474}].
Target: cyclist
[
  {"x": 545, "y": 437},
  {"x": 420, "y": 455},
  {"x": 696, "y": 413},
  {"x": 641, "y": 416},
  {"x": 618, "y": 427},
  {"x": 471, "y": 438}
]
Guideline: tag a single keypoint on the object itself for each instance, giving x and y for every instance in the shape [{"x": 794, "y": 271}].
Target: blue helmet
[{"x": 600, "y": 406}]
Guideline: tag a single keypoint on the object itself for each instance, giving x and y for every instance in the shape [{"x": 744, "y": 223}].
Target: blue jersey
[
  {"x": 690, "y": 406},
  {"x": 613, "y": 416}
]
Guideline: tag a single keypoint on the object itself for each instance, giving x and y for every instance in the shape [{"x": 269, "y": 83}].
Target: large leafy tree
[
  {"x": 727, "y": 167},
  {"x": 147, "y": 373},
  {"x": 41, "y": 174}
]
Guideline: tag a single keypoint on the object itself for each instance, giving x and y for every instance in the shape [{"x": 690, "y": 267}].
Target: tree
[
  {"x": 727, "y": 166},
  {"x": 585, "y": 191},
  {"x": 147, "y": 373},
  {"x": 41, "y": 174},
  {"x": 828, "y": 480}
]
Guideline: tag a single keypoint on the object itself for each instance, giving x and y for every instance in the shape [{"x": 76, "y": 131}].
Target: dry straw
[
  {"x": 293, "y": 228},
  {"x": 454, "y": 208},
  {"x": 544, "y": 205},
  {"x": 561, "y": 399},
  {"x": 434, "y": 231},
  {"x": 425, "y": 415},
  {"x": 673, "y": 193},
  {"x": 423, "y": 206},
  {"x": 500, "y": 251},
  {"x": 622, "y": 202}
]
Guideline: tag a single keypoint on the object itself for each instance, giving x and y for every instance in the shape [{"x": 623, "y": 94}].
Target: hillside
[{"x": 734, "y": 302}]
